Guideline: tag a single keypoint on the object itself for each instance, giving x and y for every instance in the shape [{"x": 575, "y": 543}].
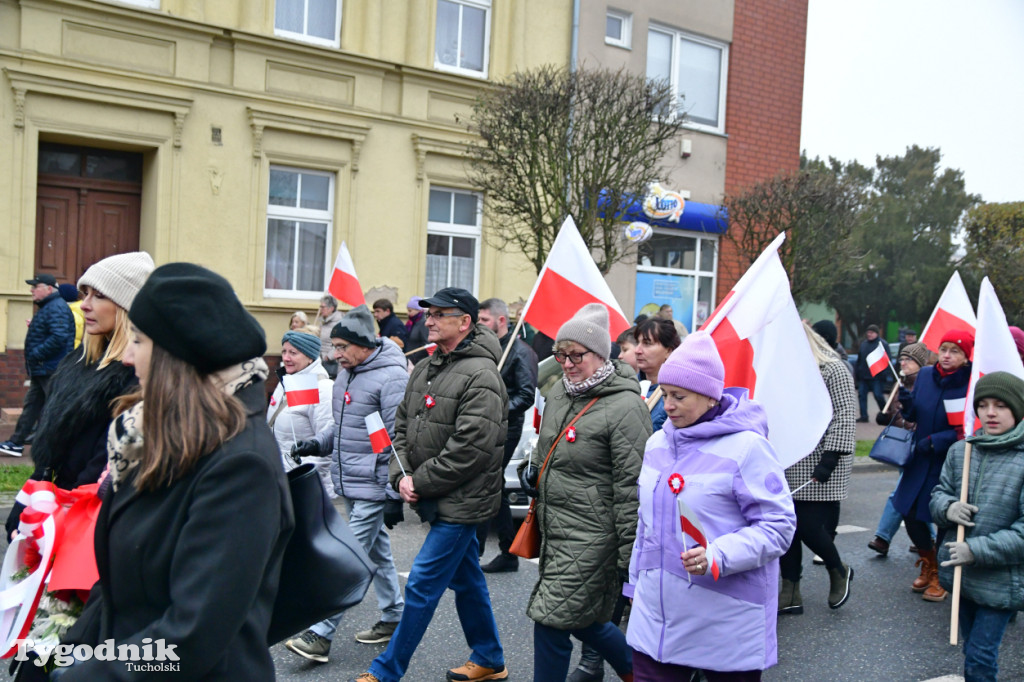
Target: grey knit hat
[
  {"x": 119, "y": 277},
  {"x": 918, "y": 352},
  {"x": 589, "y": 328},
  {"x": 356, "y": 327},
  {"x": 1003, "y": 386}
]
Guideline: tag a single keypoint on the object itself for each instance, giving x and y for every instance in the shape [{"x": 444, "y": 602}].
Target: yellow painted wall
[{"x": 373, "y": 112}]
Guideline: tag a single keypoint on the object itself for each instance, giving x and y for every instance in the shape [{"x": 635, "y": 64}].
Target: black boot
[
  {"x": 503, "y": 563},
  {"x": 590, "y": 668}
]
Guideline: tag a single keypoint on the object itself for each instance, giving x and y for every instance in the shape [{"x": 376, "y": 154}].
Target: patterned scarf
[
  {"x": 602, "y": 373},
  {"x": 124, "y": 438}
]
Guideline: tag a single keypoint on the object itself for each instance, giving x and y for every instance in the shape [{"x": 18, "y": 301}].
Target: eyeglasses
[
  {"x": 341, "y": 346},
  {"x": 576, "y": 358},
  {"x": 439, "y": 315}
]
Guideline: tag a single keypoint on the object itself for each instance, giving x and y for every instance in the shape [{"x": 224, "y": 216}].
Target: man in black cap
[
  {"x": 51, "y": 336},
  {"x": 449, "y": 434},
  {"x": 866, "y": 381}
]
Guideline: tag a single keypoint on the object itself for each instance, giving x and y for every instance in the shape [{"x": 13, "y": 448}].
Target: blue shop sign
[{"x": 660, "y": 209}]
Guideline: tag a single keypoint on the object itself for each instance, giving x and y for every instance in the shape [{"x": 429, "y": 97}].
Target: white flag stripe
[
  {"x": 877, "y": 354},
  {"x": 954, "y": 405},
  {"x": 374, "y": 423},
  {"x": 300, "y": 382},
  {"x": 994, "y": 349},
  {"x": 744, "y": 286}
]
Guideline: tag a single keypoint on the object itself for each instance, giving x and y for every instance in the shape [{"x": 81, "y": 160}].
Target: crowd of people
[{"x": 657, "y": 493}]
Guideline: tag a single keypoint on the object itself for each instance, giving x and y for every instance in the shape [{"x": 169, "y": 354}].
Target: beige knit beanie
[
  {"x": 589, "y": 328},
  {"x": 119, "y": 277}
]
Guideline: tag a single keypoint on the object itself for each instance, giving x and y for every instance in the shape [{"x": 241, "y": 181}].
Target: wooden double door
[{"x": 87, "y": 208}]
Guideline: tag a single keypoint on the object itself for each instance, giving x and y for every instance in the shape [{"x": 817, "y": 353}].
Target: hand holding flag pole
[{"x": 300, "y": 390}]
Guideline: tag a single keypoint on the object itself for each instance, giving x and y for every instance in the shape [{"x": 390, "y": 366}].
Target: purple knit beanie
[{"x": 695, "y": 366}]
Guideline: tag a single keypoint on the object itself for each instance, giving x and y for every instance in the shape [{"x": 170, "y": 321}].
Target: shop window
[
  {"x": 679, "y": 270},
  {"x": 300, "y": 209},
  {"x": 453, "y": 240}
]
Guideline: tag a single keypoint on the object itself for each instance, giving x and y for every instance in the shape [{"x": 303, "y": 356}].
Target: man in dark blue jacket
[
  {"x": 390, "y": 326},
  {"x": 51, "y": 336},
  {"x": 865, "y": 380}
]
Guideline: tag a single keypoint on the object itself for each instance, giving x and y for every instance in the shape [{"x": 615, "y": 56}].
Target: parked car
[{"x": 548, "y": 372}]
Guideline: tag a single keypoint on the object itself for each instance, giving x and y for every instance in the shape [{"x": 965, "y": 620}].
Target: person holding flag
[
  {"x": 937, "y": 406},
  {"x": 300, "y": 406},
  {"x": 992, "y": 553},
  {"x": 872, "y": 360},
  {"x": 715, "y": 516}
]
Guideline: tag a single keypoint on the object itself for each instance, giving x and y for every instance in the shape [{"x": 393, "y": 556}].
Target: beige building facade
[{"x": 254, "y": 137}]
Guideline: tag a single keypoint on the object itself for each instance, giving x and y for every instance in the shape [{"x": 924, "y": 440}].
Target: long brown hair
[{"x": 186, "y": 417}]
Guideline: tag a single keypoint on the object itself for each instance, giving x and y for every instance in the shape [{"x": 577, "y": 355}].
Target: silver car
[{"x": 548, "y": 372}]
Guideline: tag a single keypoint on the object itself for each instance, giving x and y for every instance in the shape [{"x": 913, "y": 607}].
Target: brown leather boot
[
  {"x": 934, "y": 591},
  {"x": 920, "y": 583}
]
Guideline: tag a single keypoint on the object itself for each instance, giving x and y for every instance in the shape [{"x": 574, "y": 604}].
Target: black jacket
[
  {"x": 417, "y": 339},
  {"x": 520, "y": 376},
  {"x": 50, "y": 336},
  {"x": 196, "y": 563},
  {"x": 392, "y": 326},
  {"x": 863, "y": 372}
]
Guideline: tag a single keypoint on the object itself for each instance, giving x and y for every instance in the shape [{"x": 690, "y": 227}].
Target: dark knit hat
[
  {"x": 454, "y": 297},
  {"x": 356, "y": 327},
  {"x": 873, "y": 328},
  {"x": 962, "y": 338},
  {"x": 695, "y": 366},
  {"x": 304, "y": 342},
  {"x": 1002, "y": 386},
  {"x": 589, "y": 328},
  {"x": 918, "y": 352},
  {"x": 69, "y": 292},
  {"x": 194, "y": 314},
  {"x": 826, "y": 329}
]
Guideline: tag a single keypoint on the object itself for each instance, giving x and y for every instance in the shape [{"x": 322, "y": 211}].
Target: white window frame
[
  {"x": 485, "y": 5},
  {"x": 625, "y": 39},
  {"x": 723, "y": 79},
  {"x": 696, "y": 272},
  {"x": 275, "y": 212},
  {"x": 145, "y": 4},
  {"x": 474, "y": 232},
  {"x": 305, "y": 38}
]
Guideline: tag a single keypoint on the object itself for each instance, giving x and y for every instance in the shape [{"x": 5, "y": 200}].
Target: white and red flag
[
  {"x": 878, "y": 360},
  {"x": 691, "y": 525},
  {"x": 379, "y": 438},
  {"x": 761, "y": 340},
  {"x": 994, "y": 350},
  {"x": 953, "y": 311},
  {"x": 344, "y": 284},
  {"x": 301, "y": 389},
  {"x": 568, "y": 281}
]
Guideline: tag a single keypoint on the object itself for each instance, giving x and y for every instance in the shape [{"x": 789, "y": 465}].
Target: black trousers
[
  {"x": 815, "y": 522},
  {"x": 503, "y": 525},
  {"x": 31, "y": 408}
]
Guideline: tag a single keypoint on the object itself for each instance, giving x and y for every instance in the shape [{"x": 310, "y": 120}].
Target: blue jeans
[
  {"x": 982, "y": 629},
  {"x": 366, "y": 520},
  {"x": 875, "y": 385},
  {"x": 449, "y": 558},
  {"x": 891, "y": 519},
  {"x": 552, "y": 649}
]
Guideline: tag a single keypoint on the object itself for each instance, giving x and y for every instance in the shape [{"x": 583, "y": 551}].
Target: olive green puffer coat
[
  {"x": 453, "y": 446},
  {"x": 587, "y": 509}
]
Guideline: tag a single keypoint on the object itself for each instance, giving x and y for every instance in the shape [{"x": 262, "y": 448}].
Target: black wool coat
[{"x": 196, "y": 563}]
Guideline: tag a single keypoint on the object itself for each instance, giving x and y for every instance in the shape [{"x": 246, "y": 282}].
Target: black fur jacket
[{"x": 70, "y": 446}]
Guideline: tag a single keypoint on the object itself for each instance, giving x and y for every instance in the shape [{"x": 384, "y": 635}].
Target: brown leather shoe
[
  {"x": 879, "y": 545},
  {"x": 920, "y": 583},
  {"x": 472, "y": 671},
  {"x": 934, "y": 591}
]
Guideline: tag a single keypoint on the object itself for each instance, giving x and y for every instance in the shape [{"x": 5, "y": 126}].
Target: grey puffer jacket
[
  {"x": 588, "y": 502},
  {"x": 452, "y": 444},
  {"x": 376, "y": 385}
]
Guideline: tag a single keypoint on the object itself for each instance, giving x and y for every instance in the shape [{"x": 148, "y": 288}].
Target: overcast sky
[{"x": 882, "y": 75}]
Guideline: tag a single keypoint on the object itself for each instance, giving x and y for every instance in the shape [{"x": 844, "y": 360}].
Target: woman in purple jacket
[{"x": 707, "y": 609}]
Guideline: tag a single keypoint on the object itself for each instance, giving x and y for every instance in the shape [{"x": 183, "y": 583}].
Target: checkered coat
[{"x": 840, "y": 436}]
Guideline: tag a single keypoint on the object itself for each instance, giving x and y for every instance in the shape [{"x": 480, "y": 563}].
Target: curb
[{"x": 866, "y": 465}]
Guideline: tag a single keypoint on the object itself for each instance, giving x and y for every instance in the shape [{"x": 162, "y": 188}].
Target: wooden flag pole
[
  {"x": 515, "y": 331},
  {"x": 954, "y": 615},
  {"x": 417, "y": 350},
  {"x": 895, "y": 390}
]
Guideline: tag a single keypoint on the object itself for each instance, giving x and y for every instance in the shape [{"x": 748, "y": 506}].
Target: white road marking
[{"x": 849, "y": 529}]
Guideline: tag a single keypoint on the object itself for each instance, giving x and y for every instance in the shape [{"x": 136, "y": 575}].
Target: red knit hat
[
  {"x": 1018, "y": 339},
  {"x": 962, "y": 338}
]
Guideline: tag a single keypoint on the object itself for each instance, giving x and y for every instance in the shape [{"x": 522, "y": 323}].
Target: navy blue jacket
[
  {"x": 392, "y": 326},
  {"x": 51, "y": 336},
  {"x": 932, "y": 438},
  {"x": 863, "y": 372}
]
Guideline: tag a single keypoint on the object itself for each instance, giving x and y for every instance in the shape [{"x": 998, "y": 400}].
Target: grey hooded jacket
[{"x": 376, "y": 385}]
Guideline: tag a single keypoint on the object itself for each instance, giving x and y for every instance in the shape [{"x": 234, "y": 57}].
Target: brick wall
[
  {"x": 764, "y": 103},
  {"x": 12, "y": 378}
]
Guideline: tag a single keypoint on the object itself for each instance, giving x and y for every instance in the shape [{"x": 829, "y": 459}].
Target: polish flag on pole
[
  {"x": 759, "y": 335},
  {"x": 878, "y": 360},
  {"x": 568, "y": 281},
  {"x": 379, "y": 438},
  {"x": 994, "y": 349},
  {"x": 301, "y": 389},
  {"x": 344, "y": 284},
  {"x": 953, "y": 311},
  {"x": 691, "y": 525}
]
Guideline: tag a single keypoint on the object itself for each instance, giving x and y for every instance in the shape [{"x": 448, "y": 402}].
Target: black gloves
[
  {"x": 305, "y": 448},
  {"x": 528, "y": 479},
  {"x": 394, "y": 512},
  {"x": 924, "y": 446},
  {"x": 426, "y": 510},
  {"x": 824, "y": 468}
]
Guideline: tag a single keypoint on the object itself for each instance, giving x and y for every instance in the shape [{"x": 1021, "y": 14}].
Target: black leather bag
[
  {"x": 324, "y": 570},
  {"x": 893, "y": 446}
]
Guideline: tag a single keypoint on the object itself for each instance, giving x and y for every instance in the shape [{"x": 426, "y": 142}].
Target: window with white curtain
[
  {"x": 300, "y": 210},
  {"x": 311, "y": 21},
  {"x": 461, "y": 39},
  {"x": 696, "y": 68},
  {"x": 453, "y": 240}
]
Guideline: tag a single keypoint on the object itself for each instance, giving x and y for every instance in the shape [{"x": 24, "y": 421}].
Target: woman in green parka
[{"x": 586, "y": 498}]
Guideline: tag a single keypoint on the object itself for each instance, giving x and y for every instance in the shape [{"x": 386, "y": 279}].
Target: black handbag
[
  {"x": 894, "y": 446},
  {"x": 324, "y": 569}
]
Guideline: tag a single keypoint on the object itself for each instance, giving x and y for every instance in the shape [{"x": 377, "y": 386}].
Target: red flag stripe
[
  {"x": 737, "y": 355},
  {"x": 693, "y": 532},
  {"x": 878, "y": 360},
  {"x": 305, "y": 396},
  {"x": 345, "y": 287},
  {"x": 942, "y": 323},
  {"x": 380, "y": 441},
  {"x": 557, "y": 299}
]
